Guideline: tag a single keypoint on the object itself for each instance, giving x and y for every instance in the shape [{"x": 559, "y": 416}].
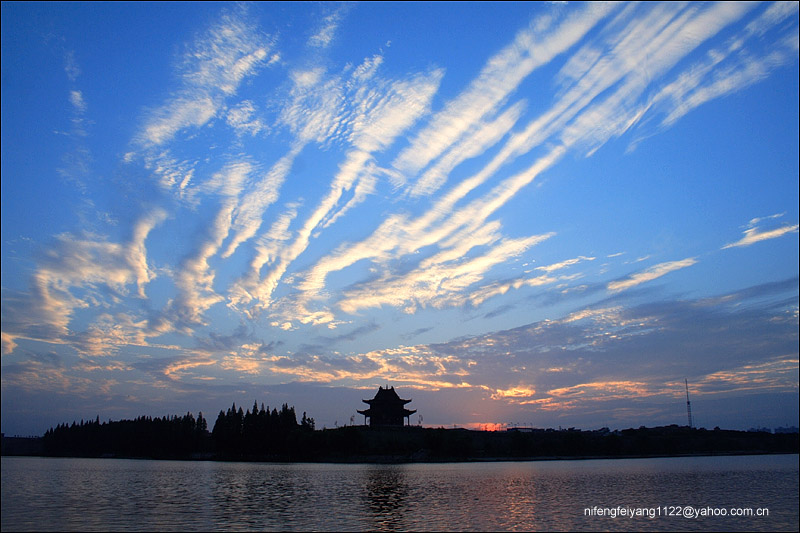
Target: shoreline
[
  {"x": 405, "y": 460},
  {"x": 396, "y": 445}
]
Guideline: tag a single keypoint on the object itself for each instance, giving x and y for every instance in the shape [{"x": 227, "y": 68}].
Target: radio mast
[{"x": 688, "y": 403}]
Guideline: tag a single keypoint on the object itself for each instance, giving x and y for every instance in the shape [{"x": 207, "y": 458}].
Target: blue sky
[{"x": 516, "y": 213}]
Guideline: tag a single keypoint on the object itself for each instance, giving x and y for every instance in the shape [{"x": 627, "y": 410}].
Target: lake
[{"x": 679, "y": 493}]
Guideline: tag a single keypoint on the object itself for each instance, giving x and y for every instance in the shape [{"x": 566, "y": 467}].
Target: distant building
[{"x": 386, "y": 409}]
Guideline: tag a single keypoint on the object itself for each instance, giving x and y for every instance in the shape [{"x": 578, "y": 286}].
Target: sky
[{"x": 517, "y": 214}]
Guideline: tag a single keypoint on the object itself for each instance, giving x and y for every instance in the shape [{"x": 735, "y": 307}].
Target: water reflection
[
  {"x": 117, "y": 495},
  {"x": 521, "y": 502},
  {"x": 386, "y": 493}
]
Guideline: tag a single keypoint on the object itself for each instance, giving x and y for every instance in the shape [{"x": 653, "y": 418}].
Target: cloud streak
[
  {"x": 532, "y": 47},
  {"x": 754, "y": 235},
  {"x": 650, "y": 274}
]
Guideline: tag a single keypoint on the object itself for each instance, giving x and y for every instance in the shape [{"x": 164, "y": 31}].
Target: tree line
[
  {"x": 264, "y": 434},
  {"x": 258, "y": 432},
  {"x": 237, "y": 434}
]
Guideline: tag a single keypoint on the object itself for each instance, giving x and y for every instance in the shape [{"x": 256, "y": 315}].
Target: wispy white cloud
[
  {"x": 480, "y": 295},
  {"x": 250, "y": 211},
  {"x": 76, "y": 99},
  {"x": 209, "y": 75},
  {"x": 76, "y": 164},
  {"x": 654, "y": 43},
  {"x": 178, "y": 369},
  {"x": 136, "y": 252},
  {"x": 108, "y": 333},
  {"x": 650, "y": 274},
  {"x": 242, "y": 119},
  {"x": 484, "y": 136},
  {"x": 382, "y": 112},
  {"x": 532, "y": 47},
  {"x": 600, "y": 103},
  {"x": 325, "y": 107},
  {"x": 443, "y": 279},
  {"x": 79, "y": 273},
  {"x": 754, "y": 235},
  {"x": 453, "y": 231},
  {"x": 320, "y": 105},
  {"x": 267, "y": 248},
  {"x": 71, "y": 67},
  {"x": 195, "y": 278},
  {"x": 757, "y": 220},
  {"x": 564, "y": 264},
  {"x": 418, "y": 366},
  {"x": 729, "y": 68},
  {"x": 322, "y": 110},
  {"x": 327, "y": 30},
  {"x": 212, "y": 71}
]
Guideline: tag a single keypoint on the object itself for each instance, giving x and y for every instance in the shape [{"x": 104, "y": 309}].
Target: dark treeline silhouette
[
  {"x": 417, "y": 444},
  {"x": 264, "y": 434},
  {"x": 255, "y": 434},
  {"x": 258, "y": 432},
  {"x": 167, "y": 437}
]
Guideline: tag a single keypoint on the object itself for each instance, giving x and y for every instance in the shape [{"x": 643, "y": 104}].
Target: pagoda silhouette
[{"x": 386, "y": 409}]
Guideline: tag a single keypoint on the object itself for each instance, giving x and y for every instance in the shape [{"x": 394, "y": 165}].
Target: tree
[{"x": 306, "y": 423}]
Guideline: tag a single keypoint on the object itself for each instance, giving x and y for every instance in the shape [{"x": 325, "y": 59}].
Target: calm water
[{"x": 115, "y": 495}]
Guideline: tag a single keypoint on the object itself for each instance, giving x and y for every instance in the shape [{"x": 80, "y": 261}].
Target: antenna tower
[{"x": 688, "y": 403}]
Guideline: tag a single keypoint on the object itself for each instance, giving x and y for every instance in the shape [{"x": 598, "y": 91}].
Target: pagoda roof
[{"x": 387, "y": 395}]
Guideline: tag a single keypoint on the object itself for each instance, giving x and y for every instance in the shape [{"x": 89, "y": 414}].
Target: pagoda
[{"x": 386, "y": 409}]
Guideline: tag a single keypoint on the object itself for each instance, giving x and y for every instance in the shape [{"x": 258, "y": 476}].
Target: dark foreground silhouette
[{"x": 261, "y": 434}]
